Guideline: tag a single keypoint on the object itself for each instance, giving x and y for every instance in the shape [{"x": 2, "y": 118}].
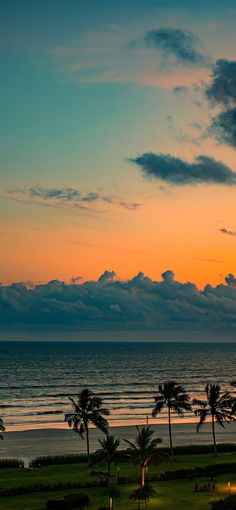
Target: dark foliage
[
  {"x": 48, "y": 487},
  {"x": 70, "y": 502},
  {"x": 11, "y": 463},
  {"x": 58, "y": 459},
  {"x": 224, "y": 504}
]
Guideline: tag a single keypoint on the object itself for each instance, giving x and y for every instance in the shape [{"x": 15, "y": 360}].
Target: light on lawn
[{"x": 229, "y": 486}]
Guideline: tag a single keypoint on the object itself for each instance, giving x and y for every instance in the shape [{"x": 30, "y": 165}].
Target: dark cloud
[
  {"x": 222, "y": 89},
  {"x": 180, "y": 90},
  {"x": 176, "y": 171},
  {"x": 222, "y": 92},
  {"x": 228, "y": 232},
  {"x": 107, "y": 277},
  {"x": 176, "y": 42},
  {"x": 75, "y": 279},
  {"x": 69, "y": 196},
  {"x": 223, "y": 127},
  {"x": 230, "y": 280},
  {"x": 109, "y": 304}
]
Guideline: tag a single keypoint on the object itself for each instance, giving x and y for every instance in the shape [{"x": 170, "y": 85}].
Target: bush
[
  {"x": 11, "y": 463},
  {"x": 210, "y": 471},
  {"x": 70, "y": 502},
  {"x": 80, "y": 499},
  {"x": 197, "y": 449},
  {"x": 39, "y": 487},
  {"x": 224, "y": 504},
  {"x": 58, "y": 459}
]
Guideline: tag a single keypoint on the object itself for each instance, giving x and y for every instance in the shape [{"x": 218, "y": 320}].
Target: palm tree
[
  {"x": 88, "y": 409},
  {"x": 2, "y": 428},
  {"x": 108, "y": 452},
  {"x": 233, "y": 383},
  {"x": 142, "y": 494},
  {"x": 217, "y": 406},
  {"x": 174, "y": 397},
  {"x": 143, "y": 450}
]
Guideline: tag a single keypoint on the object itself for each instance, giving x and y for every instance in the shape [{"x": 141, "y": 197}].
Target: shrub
[
  {"x": 210, "y": 471},
  {"x": 80, "y": 499},
  {"x": 224, "y": 504},
  {"x": 55, "y": 504},
  {"x": 39, "y": 487},
  {"x": 70, "y": 502},
  {"x": 11, "y": 463},
  {"x": 58, "y": 459},
  {"x": 201, "y": 449}
]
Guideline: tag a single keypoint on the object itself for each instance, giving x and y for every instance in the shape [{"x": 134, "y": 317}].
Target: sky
[{"x": 117, "y": 166}]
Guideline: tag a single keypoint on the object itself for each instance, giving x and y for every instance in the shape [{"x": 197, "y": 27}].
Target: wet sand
[{"x": 32, "y": 443}]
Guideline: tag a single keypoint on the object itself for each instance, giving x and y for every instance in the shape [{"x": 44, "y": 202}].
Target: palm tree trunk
[
  {"x": 170, "y": 436},
  {"x": 214, "y": 435},
  {"x": 87, "y": 440},
  {"x": 108, "y": 472},
  {"x": 143, "y": 475}
]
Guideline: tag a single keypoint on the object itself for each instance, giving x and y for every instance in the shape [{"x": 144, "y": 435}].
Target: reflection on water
[{"x": 36, "y": 378}]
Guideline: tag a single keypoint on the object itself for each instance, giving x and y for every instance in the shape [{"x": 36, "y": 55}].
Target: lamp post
[{"x": 229, "y": 487}]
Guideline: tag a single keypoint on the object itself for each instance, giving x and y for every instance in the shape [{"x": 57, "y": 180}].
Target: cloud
[
  {"x": 68, "y": 197},
  {"x": 179, "y": 172},
  {"x": 223, "y": 127},
  {"x": 107, "y": 277},
  {"x": 180, "y": 90},
  {"x": 222, "y": 89},
  {"x": 114, "y": 54},
  {"x": 221, "y": 93},
  {"x": 176, "y": 42},
  {"x": 109, "y": 304},
  {"x": 228, "y": 232},
  {"x": 230, "y": 280},
  {"x": 75, "y": 279}
]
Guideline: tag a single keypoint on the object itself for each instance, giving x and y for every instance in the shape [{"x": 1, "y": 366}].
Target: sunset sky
[{"x": 118, "y": 141}]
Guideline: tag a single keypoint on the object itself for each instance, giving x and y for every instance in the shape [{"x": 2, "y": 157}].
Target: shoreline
[{"x": 31, "y": 443}]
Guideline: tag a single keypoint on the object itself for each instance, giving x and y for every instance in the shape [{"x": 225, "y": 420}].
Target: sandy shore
[{"x": 31, "y": 443}]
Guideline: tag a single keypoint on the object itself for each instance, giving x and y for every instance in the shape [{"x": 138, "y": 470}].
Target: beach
[{"x": 29, "y": 444}]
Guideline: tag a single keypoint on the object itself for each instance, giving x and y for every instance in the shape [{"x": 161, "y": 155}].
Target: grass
[{"x": 169, "y": 494}]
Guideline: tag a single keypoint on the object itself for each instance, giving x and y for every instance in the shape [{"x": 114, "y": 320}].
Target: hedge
[
  {"x": 11, "y": 463},
  {"x": 224, "y": 504},
  {"x": 47, "y": 487}
]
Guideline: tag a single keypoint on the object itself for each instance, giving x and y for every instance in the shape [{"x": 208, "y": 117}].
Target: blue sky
[{"x": 90, "y": 91}]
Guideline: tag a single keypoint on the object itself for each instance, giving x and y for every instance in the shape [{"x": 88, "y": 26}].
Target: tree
[
  {"x": 2, "y": 428},
  {"x": 108, "y": 452},
  {"x": 142, "y": 494},
  {"x": 233, "y": 383},
  {"x": 174, "y": 397},
  {"x": 88, "y": 409},
  {"x": 144, "y": 449},
  {"x": 217, "y": 406}
]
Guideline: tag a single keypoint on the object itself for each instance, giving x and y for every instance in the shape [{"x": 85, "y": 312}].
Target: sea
[{"x": 36, "y": 378}]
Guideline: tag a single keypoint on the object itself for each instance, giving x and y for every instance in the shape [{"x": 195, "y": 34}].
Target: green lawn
[{"x": 170, "y": 495}]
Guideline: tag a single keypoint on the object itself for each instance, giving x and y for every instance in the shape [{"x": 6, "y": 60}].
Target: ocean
[{"x": 36, "y": 378}]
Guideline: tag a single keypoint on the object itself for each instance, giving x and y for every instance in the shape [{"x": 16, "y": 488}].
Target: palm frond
[{"x": 202, "y": 413}]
